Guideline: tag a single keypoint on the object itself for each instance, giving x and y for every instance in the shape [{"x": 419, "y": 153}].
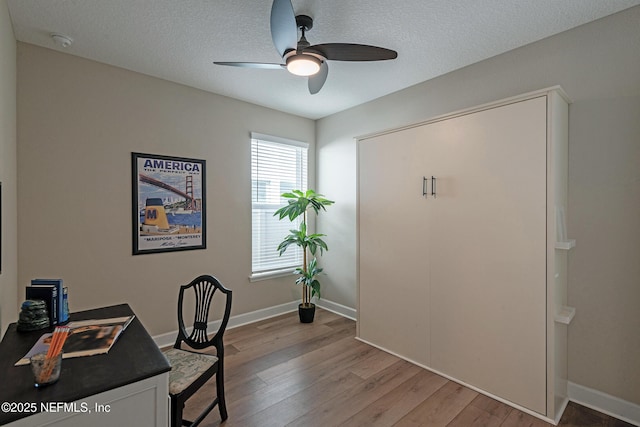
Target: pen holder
[{"x": 46, "y": 370}]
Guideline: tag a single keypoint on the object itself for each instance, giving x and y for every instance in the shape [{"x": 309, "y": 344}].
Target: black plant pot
[{"x": 306, "y": 312}]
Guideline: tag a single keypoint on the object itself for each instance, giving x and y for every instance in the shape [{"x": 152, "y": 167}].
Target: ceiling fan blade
[
  {"x": 316, "y": 81},
  {"x": 284, "y": 30},
  {"x": 253, "y": 65},
  {"x": 352, "y": 52}
]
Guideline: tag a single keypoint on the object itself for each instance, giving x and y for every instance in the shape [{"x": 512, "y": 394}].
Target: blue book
[
  {"x": 60, "y": 314},
  {"x": 65, "y": 307}
]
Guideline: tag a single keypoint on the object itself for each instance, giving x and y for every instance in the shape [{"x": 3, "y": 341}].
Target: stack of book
[{"x": 55, "y": 296}]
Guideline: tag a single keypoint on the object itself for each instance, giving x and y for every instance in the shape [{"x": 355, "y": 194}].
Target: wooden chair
[{"x": 190, "y": 370}]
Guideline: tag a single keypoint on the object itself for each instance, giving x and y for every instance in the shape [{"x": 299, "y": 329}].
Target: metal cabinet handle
[
  {"x": 433, "y": 186},
  {"x": 425, "y": 191}
]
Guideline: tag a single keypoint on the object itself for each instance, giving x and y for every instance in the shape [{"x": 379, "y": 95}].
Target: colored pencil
[{"x": 58, "y": 338}]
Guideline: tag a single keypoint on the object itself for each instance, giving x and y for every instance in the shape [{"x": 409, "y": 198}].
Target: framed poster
[{"x": 168, "y": 203}]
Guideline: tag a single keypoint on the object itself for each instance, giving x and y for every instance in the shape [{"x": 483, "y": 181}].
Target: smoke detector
[{"x": 61, "y": 40}]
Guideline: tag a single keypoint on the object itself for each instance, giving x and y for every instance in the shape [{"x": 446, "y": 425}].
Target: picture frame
[{"x": 168, "y": 203}]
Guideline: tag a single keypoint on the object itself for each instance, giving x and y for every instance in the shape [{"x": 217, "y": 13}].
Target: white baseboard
[
  {"x": 334, "y": 307},
  {"x": 262, "y": 314},
  {"x": 167, "y": 339},
  {"x": 560, "y": 410},
  {"x": 605, "y": 403}
]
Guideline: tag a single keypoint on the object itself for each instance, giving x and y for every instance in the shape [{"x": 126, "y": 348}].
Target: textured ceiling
[{"x": 178, "y": 40}]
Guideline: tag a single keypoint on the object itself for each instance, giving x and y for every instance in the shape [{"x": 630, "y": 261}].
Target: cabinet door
[
  {"x": 488, "y": 251},
  {"x": 393, "y": 308}
]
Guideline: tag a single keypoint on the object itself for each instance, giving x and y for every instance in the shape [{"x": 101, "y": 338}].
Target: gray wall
[
  {"x": 78, "y": 122},
  {"x": 8, "y": 177},
  {"x": 604, "y": 201},
  {"x": 598, "y": 65}
]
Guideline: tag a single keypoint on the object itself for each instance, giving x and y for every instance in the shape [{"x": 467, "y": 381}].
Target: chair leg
[
  {"x": 176, "y": 412},
  {"x": 222, "y": 405}
]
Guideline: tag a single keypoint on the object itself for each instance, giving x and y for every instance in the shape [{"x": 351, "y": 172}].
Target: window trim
[
  {"x": 273, "y": 274},
  {"x": 280, "y": 140}
]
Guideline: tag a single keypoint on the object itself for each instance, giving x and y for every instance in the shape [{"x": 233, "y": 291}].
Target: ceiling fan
[{"x": 303, "y": 59}]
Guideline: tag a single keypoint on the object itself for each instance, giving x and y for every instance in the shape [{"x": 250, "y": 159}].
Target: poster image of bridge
[{"x": 168, "y": 203}]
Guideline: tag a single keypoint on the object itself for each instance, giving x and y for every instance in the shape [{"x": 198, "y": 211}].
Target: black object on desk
[{"x": 134, "y": 357}]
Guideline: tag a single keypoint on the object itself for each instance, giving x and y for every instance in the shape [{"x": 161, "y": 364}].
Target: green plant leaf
[
  {"x": 299, "y": 202},
  {"x": 308, "y": 277}
]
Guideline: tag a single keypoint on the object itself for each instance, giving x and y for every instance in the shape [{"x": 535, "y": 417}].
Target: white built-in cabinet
[{"x": 458, "y": 269}]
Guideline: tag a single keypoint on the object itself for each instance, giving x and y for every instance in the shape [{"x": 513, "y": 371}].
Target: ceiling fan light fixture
[
  {"x": 303, "y": 59},
  {"x": 303, "y": 65}
]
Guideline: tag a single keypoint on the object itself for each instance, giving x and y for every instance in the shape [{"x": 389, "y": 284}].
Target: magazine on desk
[{"x": 86, "y": 338}]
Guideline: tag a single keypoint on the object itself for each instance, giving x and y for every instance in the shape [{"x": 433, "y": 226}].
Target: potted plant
[{"x": 297, "y": 204}]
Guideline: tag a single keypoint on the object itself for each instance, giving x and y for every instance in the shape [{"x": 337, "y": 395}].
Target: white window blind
[{"x": 277, "y": 166}]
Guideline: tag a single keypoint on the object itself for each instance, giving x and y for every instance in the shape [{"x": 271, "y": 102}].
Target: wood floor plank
[
  {"x": 586, "y": 418},
  {"x": 240, "y": 388},
  {"x": 579, "y": 416},
  {"x": 517, "y": 418},
  {"x": 493, "y": 407},
  {"x": 297, "y": 404},
  {"x": 440, "y": 408},
  {"x": 260, "y": 397},
  {"x": 472, "y": 416},
  {"x": 324, "y": 356},
  {"x": 314, "y": 368},
  {"x": 241, "y": 333},
  {"x": 295, "y": 380},
  {"x": 298, "y": 380},
  {"x": 346, "y": 404},
  {"x": 279, "y": 326},
  {"x": 282, "y": 336},
  {"x": 260, "y": 358},
  {"x": 393, "y": 406},
  {"x": 482, "y": 411},
  {"x": 374, "y": 364}
]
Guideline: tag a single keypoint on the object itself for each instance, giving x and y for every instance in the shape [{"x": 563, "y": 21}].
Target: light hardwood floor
[{"x": 279, "y": 372}]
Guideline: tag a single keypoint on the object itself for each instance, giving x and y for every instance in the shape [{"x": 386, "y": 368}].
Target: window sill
[{"x": 257, "y": 277}]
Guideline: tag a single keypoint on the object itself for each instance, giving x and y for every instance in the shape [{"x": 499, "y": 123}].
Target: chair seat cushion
[{"x": 186, "y": 367}]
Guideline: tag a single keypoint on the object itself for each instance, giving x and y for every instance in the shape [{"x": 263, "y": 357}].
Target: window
[{"x": 277, "y": 166}]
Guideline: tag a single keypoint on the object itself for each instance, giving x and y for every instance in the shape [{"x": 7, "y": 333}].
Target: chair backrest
[{"x": 204, "y": 288}]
